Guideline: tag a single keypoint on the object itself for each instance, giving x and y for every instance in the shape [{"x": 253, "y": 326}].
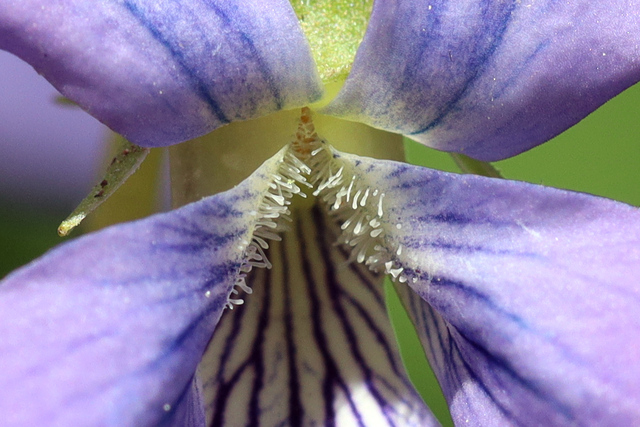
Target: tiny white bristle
[
  {"x": 346, "y": 224},
  {"x": 387, "y": 266},
  {"x": 376, "y": 232},
  {"x": 358, "y": 239},
  {"x": 380, "y": 205},
  {"x": 363, "y": 201},
  {"x": 261, "y": 242},
  {"x": 337, "y": 202},
  {"x": 353, "y": 178},
  {"x": 267, "y": 234},
  {"x": 268, "y": 223},
  {"x": 395, "y": 272},
  {"x": 355, "y": 199},
  {"x": 243, "y": 285},
  {"x": 234, "y": 301},
  {"x": 278, "y": 199}
]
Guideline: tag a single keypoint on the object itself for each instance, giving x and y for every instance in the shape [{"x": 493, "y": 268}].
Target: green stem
[
  {"x": 123, "y": 165},
  {"x": 476, "y": 167}
]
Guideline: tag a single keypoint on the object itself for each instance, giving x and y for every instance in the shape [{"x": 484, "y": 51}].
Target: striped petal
[
  {"x": 534, "y": 294},
  {"x": 162, "y": 72},
  {"x": 468, "y": 396},
  {"x": 109, "y": 329},
  {"x": 311, "y": 346},
  {"x": 189, "y": 412},
  {"x": 490, "y": 79}
]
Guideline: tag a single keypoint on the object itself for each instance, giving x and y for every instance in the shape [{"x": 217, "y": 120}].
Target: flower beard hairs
[{"x": 356, "y": 206}]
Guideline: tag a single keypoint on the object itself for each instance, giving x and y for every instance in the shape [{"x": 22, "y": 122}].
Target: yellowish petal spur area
[{"x": 334, "y": 29}]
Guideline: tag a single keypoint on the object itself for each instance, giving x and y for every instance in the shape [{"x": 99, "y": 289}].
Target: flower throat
[{"x": 311, "y": 169}]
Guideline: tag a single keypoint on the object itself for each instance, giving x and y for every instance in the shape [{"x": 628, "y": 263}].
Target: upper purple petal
[
  {"x": 109, "y": 329},
  {"x": 490, "y": 79},
  {"x": 160, "y": 71},
  {"x": 539, "y": 289}
]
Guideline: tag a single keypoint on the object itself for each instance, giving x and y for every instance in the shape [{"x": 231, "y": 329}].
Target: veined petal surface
[
  {"x": 532, "y": 292},
  {"x": 109, "y": 329},
  {"x": 312, "y": 345},
  {"x": 163, "y": 71},
  {"x": 490, "y": 79}
]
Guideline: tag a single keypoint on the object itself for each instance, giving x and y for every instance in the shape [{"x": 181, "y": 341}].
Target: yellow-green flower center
[{"x": 334, "y": 29}]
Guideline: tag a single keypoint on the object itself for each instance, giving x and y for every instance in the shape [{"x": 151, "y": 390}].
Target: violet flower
[{"x": 525, "y": 297}]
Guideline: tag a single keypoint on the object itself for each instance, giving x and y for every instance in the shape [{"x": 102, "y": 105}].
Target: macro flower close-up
[{"x": 261, "y": 298}]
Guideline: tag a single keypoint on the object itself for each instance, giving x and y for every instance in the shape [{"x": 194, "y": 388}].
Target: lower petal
[
  {"x": 536, "y": 289},
  {"x": 470, "y": 400},
  {"x": 109, "y": 329},
  {"x": 188, "y": 411},
  {"x": 533, "y": 294},
  {"x": 312, "y": 345}
]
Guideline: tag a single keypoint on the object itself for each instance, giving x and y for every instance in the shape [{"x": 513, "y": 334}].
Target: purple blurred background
[{"x": 49, "y": 153}]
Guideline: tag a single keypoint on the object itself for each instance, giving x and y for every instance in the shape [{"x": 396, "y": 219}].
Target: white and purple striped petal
[
  {"x": 164, "y": 71},
  {"x": 312, "y": 345},
  {"x": 109, "y": 329},
  {"x": 533, "y": 294},
  {"x": 490, "y": 79}
]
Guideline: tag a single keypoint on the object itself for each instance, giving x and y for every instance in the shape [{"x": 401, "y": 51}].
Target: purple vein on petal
[
  {"x": 532, "y": 292},
  {"x": 489, "y": 79},
  {"x": 199, "y": 86},
  {"x": 162, "y": 72},
  {"x": 450, "y": 367},
  {"x": 308, "y": 344},
  {"x": 497, "y": 22},
  {"x": 337, "y": 291},
  {"x": 85, "y": 330},
  {"x": 296, "y": 414}
]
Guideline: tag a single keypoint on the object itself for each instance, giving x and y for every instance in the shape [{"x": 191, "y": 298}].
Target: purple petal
[
  {"x": 189, "y": 411},
  {"x": 162, "y": 72},
  {"x": 490, "y": 79},
  {"x": 109, "y": 329},
  {"x": 539, "y": 289},
  {"x": 468, "y": 396},
  {"x": 312, "y": 345}
]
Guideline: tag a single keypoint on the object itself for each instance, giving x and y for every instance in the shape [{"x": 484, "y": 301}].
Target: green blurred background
[{"x": 600, "y": 155}]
